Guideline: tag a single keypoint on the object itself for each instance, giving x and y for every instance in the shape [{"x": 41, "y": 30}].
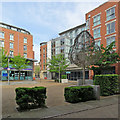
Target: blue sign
[
  {"x": 5, "y": 74},
  {"x": 68, "y": 72}
]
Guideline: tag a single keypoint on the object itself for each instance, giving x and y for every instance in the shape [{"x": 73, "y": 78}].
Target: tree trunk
[
  {"x": 19, "y": 74},
  {"x": 83, "y": 75}
]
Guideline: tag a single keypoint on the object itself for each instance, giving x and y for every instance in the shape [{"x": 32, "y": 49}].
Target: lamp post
[{"x": 8, "y": 72}]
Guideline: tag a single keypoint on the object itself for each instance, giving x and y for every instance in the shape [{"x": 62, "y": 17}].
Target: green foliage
[
  {"x": 28, "y": 98},
  {"x": 79, "y": 94},
  {"x": 64, "y": 76},
  {"x": 109, "y": 84},
  {"x": 4, "y": 58},
  {"x": 107, "y": 56},
  {"x": 56, "y": 63},
  {"x": 19, "y": 62}
]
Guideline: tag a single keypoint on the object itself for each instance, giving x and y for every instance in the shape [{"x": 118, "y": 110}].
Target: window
[
  {"x": 44, "y": 55},
  {"x": 11, "y": 45},
  {"x": 97, "y": 42},
  {"x": 25, "y": 55},
  {"x": 1, "y": 34},
  {"x": 96, "y": 20},
  {"x": 110, "y": 14},
  {"x": 11, "y": 37},
  {"x": 62, "y": 50},
  {"x": 1, "y": 43},
  {"x": 25, "y": 47},
  {"x": 87, "y": 24},
  {"x": 111, "y": 28},
  {"x": 44, "y": 67},
  {"x": 62, "y": 41},
  {"x": 44, "y": 61},
  {"x": 43, "y": 50},
  {"x": 25, "y": 40},
  {"x": 110, "y": 40},
  {"x": 96, "y": 32},
  {"x": 11, "y": 53}
]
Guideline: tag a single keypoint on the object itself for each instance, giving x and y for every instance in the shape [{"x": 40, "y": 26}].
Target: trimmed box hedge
[
  {"x": 64, "y": 76},
  {"x": 109, "y": 84},
  {"x": 77, "y": 94},
  {"x": 29, "y": 98}
]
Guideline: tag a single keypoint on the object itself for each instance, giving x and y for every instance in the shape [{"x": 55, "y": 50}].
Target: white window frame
[
  {"x": 11, "y": 37},
  {"x": 11, "y": 45},
  {"x": 2, "y": 34},
  {"x": 110, "y": 12},
  {"x": 11, "y": 53},
  {"x": 25, "y": 40},
  {"x": 110, "y": 40},
  {"x": 110, "y": 27},
  {"x": 25, "y": 47},
  {"x": 1, "y": 43},
  {"x": 97, "y": 33},
  {"x": 25, "y": 55},
  {"x": 97, "y": 20}
]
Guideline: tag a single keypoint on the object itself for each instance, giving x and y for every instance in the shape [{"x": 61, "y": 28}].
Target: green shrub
[
  {"x": 28, "y": 98},
  {"x": 109, "y": 84},
  {"x": 64, "y": 76},
  {"x": 79, "y": 94}
]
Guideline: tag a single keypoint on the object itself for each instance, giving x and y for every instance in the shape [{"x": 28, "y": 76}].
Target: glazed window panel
[
  {"x": 96, "y": 20},
  {"x": 25, "y": 40},
  {"x": 110, "y": 40},
  {"x": 97, "y": 42},
  {"x": 11, "y": 53},
  {"x": 110, "y": 14},
  {"x": 11, "y": 45},
  {"x": 1, "y": 43},
  {"x": 25, "y": 55},
  {"x": 2, "y": 35},
  {"x": 11, "y": 37},
  {"x": 97, "y": 33},
  {"x": 25, "y": 47},
  {"x": 111, "y": 28}
]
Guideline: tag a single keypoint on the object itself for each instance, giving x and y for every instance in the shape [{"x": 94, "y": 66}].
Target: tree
[
  {"x": 58, "y": 64},
  {"x": 107, "y": 57},
  {"x": 82, "y": 53},
  {"x": 4, "y": 57},
  {"x": 19, "y": 63}
]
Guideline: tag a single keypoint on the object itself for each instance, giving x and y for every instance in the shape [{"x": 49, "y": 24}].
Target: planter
[{"x": 64, "y": 80}]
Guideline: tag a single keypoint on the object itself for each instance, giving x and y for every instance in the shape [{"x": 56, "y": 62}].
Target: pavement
[{"x": 106, "y": 107}]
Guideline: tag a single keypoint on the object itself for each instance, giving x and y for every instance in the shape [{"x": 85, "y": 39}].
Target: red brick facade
[
  {"x": 43, "y": 56},
  {"x": 18, "y": 42},
  {"x": 103, "y": 26}
]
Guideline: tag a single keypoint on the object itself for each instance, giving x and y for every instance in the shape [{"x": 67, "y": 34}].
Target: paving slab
[{"x": 62, "y": 110}]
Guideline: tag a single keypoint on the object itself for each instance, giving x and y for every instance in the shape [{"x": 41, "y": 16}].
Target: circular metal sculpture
[{"x": 82, "y": 53}]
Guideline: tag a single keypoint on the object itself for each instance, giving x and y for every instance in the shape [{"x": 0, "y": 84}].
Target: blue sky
[{"x": 45, "y": 20}]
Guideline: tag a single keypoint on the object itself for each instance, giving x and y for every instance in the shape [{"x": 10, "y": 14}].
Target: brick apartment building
[
  {"x": 16, "y": 41},
  {"x": 43, "y": 60},
  {"x": 103, "y": 23}
]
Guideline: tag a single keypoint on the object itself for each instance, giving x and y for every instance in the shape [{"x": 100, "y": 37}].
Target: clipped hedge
[
  {"x": 109, "y": 84},
  {"x": 64, "y": 76},
  {"x": 29, "y": 98},
  {"x": 79, "y": 94}
]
